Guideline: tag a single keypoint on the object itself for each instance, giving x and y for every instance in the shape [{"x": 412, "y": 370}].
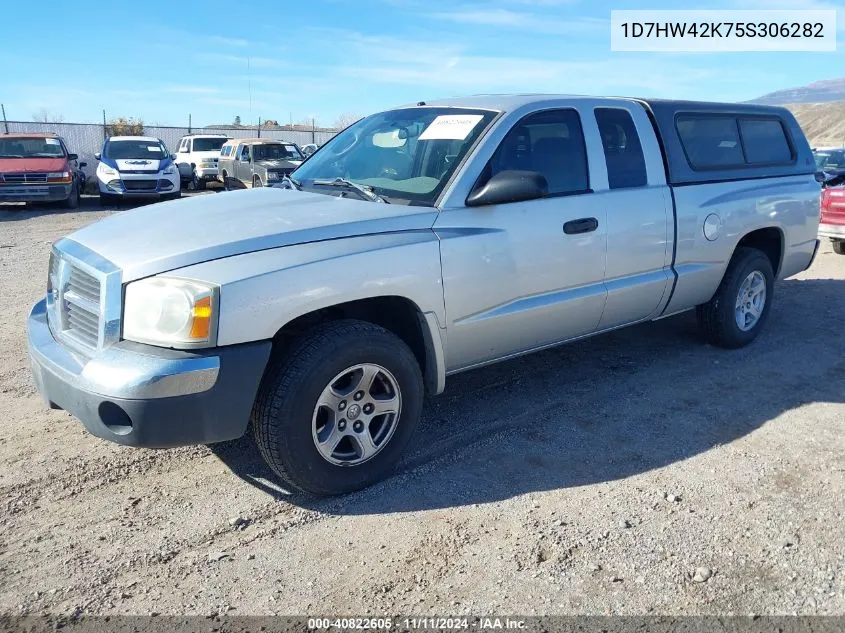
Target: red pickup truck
[
  {"x": 832, "y": 221},
  {"x": 39, "y": 168}
]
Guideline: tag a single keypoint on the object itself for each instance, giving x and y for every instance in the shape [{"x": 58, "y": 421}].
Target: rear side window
[
  {"x": 710, "y": 141},
  {"x": 764, "y": 141},
  {"x": 623, "y": 153},
  {"x": 226, "y": 150}
]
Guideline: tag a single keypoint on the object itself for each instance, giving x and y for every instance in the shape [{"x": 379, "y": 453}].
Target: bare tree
[
  {"x": 46, "y": 116},
  {"x": 346, "y": 119}
]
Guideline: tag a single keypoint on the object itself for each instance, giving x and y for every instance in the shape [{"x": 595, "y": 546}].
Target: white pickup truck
[{"x": 420, "y": 242}]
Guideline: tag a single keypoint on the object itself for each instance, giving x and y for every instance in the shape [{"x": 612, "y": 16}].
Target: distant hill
[
  {"x": 816, "y": 92},
  {"x": 823, "y": 123}
]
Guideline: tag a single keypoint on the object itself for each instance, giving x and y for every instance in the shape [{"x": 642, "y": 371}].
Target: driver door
[{"x": 524, "y": 275}]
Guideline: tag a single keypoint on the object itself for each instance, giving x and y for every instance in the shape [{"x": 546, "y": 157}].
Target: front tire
[
  {"x": 738, "y": 311},
  {"x": 839, "y": 247},
  {"x": 335, "y": 412},
  {"x": 72, "y": 201}
]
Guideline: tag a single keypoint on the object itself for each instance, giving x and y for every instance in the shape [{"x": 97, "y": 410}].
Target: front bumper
[
  {"x": 122, "y": 185},
  {"x": 141, "y": 395},
  {"x": 836, "y": 231},
  {"x": 35, "y": 193},
  {"x": 206, "y": 173}
]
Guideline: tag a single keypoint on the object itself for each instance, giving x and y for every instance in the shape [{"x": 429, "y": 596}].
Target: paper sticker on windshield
[
  {"x": 455, "y": 127},
  {"x": 52, "y": 141},
  {"x": 153, "y": 148}
]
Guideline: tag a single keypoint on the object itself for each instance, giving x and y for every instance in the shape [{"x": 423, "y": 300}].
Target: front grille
[
  {"x": 24, "y": 178},
  {"x": 138, "y": 171},
  {"x": 74, "y": 303},
  {"x": 84, "y": 285},
  {"x": 140, "y": 185}
]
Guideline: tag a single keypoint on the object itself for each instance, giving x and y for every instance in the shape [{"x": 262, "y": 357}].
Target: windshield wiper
[
  {"x": 366, "y": 192},
  {"x": 293, "y": 183}
]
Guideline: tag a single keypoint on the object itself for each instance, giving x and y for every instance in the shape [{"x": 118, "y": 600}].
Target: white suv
[{"x": 197, "y": 157}]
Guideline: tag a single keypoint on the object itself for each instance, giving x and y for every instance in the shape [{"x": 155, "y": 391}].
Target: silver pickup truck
[{"x": 419, "y": 242}]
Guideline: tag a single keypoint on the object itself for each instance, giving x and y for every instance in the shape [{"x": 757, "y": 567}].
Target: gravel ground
[{"x": 641, "y": 472}]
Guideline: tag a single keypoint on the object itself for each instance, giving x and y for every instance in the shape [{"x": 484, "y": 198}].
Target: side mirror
[
  {"x": 83, "y": 164},
  {"x": 509, "y": 186},
  {"x": 97, "y": 155},
  {"x": 173, "y": 156},
  {"x": 72, "y": 156},
  {"x": 820, "y": 176}
]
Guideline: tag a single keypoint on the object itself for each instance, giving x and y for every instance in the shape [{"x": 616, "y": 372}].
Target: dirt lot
[{"x": 639, "y": 472}]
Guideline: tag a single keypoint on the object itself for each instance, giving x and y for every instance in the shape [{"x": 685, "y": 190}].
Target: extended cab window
[
  {"x": 551, "y": 143},
  {"x": 710, "y": 141},
  {"x": 765, "y": 141},
  {"x": 623, "y": 153}
]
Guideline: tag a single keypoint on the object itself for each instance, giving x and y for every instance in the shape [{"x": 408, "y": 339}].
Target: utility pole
[
  {"x": 259, "y": 127},
  {"x": 5, "y": 122},
  {"x": 189, "y": 123},
  {"x": 105, "y": 134},
  {"x": 313, "y": 130}
]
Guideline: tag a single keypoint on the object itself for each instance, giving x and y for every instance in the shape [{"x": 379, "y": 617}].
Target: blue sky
[{"x": 163, "y": 60}]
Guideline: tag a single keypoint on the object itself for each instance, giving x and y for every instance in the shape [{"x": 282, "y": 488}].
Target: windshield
[
  {"x": 208, "y": 144},
  {"x": 830, "y": 160},
  {"x": 119, "y": 150},
  {"x": 408, "y": 154},
  {"x": 276, "y": 151},
  {"x": 31, "y": 148}
]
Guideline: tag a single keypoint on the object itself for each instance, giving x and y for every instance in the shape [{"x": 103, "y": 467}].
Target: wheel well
[
  {"x": 398, "y": 315},
  {"x": 769, "y": 241}
]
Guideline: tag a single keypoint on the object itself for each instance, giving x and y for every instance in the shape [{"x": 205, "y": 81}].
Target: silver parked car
[{"x": 420, "y": 242}]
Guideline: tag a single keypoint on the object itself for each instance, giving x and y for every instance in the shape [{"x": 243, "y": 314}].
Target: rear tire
[
  {"x": 738, "y": 311},
  {"x": 311, "y": 445},
  {"x": 839, "y": 247}
]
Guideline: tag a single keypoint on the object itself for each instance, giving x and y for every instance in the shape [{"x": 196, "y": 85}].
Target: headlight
[
  {"x": 271, "y": 175},
  {"x": 169, "y": 171},
  {"x": 170, "y": 312},
  {"x": 59, "y": 176},
  {"x": 107, "y": 171}
]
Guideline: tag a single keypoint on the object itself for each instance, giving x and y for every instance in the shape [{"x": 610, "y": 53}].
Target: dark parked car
[{"x": 257, "y": 162}]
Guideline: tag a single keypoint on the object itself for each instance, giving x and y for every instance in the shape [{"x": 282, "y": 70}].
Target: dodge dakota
[{"x": 422, "y": 241}]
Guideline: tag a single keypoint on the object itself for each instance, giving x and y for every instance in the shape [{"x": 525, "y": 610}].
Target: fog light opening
[{"x": 114, "y": 418}]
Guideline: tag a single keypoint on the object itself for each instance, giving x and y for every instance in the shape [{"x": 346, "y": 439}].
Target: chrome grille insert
[{"x": 83, "y": 298}]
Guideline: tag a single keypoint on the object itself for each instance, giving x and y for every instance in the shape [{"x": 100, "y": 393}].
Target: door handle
[{"x": 584, "y": 225}]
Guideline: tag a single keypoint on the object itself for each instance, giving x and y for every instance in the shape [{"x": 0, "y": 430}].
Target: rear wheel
[
  {"x": 737, "y": 312},
  {"x": 334, "y": 414},
  {"x": 839, "y": 247}
]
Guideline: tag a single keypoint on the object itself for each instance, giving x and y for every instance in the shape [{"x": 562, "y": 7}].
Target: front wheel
[
  {"x": 72, "y": 201},
  {"x": 737, "y": 312},
  {"x": 839, "y": 247},
  {"x": 334, "y": 414}
]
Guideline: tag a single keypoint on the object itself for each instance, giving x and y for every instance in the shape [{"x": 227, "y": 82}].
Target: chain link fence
[{"x": 86, "y": 139}]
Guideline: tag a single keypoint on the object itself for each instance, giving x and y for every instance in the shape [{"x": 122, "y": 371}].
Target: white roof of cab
[{"x": 150, "y": 139}]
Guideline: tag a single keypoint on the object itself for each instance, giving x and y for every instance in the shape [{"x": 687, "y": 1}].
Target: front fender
[{"x": 261, "y": 292}]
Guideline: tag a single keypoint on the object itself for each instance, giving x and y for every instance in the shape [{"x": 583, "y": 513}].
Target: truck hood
[
  {"x": 19, "y": 165},
  {"x": 170, "y": 235}
]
